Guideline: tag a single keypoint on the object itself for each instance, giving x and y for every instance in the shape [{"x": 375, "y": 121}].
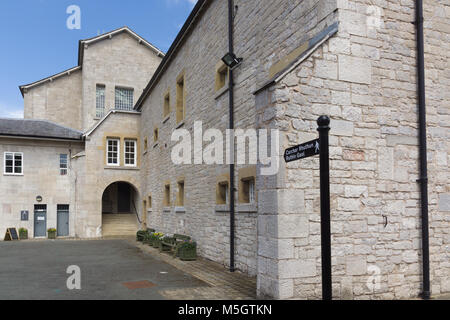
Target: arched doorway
[{"x": 120, "y": 215}]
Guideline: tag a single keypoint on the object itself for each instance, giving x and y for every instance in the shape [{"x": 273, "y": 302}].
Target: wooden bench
[{"x": 171, "y": 243}]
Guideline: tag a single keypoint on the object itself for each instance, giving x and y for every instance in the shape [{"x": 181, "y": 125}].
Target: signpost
[{"x": 309, "y": 149}]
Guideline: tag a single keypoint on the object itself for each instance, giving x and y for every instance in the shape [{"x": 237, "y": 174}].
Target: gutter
[
  {"x": 423, "y": 180},
  {"x": 231, "y": 127}
]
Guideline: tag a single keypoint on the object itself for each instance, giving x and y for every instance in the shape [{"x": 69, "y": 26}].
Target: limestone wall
[
  {"x": 261, "y": 39},
  {"x": 94, "y": 176},
  {"x": 364, "y": 78},
  {"x": 58, "y": 101},
  {"x": 117, "y": 62},
  {"x": 41, "y": 177}
]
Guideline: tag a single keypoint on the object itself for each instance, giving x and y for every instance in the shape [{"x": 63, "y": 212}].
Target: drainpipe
[
  {"x": 423, "y": 180},
  {"x": 231, "y": 127}
]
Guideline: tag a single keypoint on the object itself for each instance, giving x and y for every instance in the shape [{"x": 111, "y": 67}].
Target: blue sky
[{"x": 37, "y": 42}]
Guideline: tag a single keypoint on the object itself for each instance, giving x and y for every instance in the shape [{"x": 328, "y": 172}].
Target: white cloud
[
  {"x": 10, "y": 112},
  {"x": 191, "y": 2}
]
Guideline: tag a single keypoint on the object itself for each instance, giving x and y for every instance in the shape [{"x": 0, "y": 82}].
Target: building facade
[{"x": 355, "y": 61}]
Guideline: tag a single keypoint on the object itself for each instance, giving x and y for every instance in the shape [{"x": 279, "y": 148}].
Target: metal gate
[
  {"x": 40, "y": 221},
  {"x": 62, "y": 220}
]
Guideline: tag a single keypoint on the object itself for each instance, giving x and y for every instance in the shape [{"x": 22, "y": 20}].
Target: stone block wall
[{"x": 364, "y": 78}]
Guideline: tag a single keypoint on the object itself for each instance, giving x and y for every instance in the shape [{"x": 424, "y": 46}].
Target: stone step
[{"x": 119, "y": 225}]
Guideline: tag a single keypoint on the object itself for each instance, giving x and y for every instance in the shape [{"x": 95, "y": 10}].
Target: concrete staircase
[{"x": 119, "y": 225}]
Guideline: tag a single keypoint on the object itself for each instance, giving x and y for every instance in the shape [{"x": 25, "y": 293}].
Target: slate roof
[{"x": 37, "y": 129}]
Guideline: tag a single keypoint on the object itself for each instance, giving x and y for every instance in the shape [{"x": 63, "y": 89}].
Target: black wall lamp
[{"x": 231, "y": 60}]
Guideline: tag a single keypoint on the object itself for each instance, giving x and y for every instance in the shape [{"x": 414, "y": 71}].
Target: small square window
[
  {"x": 13, "y": 163},
  {"x": 180, "y": 199},
  {"x": 222, "y": 193},
  {"x": 248, "y": 190},
  {"x": 155, "y": 135},
  {"x": 124, "y": 99},
  {"x": 221, "y": 76},
  {"x": 167, "y": 195},
  {"x": 166, "y": 111}
]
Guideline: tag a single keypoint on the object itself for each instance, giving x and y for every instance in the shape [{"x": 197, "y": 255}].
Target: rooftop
[{"x": 37, "y": 129}]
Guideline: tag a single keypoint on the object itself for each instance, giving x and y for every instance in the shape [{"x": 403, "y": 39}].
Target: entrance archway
[{"x": 120, "y": 215}]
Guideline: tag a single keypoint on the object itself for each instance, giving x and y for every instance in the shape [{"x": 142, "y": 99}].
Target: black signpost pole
[{"x": 324, "y": 129}]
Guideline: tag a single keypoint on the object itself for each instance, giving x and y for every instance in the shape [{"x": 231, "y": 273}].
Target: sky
[{"x": 37, "y": 42}]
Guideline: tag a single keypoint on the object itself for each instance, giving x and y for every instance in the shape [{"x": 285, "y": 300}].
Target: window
[
  {"x": 248, "y": 190},
  {"x": 180, "y": 198},
  {"x": 130, "y": 153},
  {"x": 63, "y": 164},
  {"x": 222, "y": 193},
  {"x": 124, "y": 99},
  {"x": 145, "y": 144},
  {"x": 112, "y": 152},
  {"x": 166, "y": 110},
  {"x": 100, "y": 101},
  {"x": 149, "y": 202},
  {"x": 221, "y": 76},
  {"x": 155, "y": 135},
  {"x": 180, "y": 99},
  {"x": 166, "y": 195},
  {"x": 13, "y": 163}
]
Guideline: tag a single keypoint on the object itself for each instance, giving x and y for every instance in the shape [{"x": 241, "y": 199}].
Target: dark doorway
[{"x": 124, "y": 197}]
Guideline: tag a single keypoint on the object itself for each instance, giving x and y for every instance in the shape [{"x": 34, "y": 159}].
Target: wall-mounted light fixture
[{"x": 231, "y": 60}]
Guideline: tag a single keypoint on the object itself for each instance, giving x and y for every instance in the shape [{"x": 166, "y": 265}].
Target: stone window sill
[
  {"x": 149, "y": 210},
  {"x": 222, "y": 208},
  {"x": 179, "y": 125},
  {"x": 180, "y": 210},
  {"x": 122, "y": 168},
  {"x": 167, "y": 209},
  {"x": 220, "y": 92},
  {"x": 247, "y": 208},
  {"x": 166, "y": 119},
  {"x": 155, "y": 145}
]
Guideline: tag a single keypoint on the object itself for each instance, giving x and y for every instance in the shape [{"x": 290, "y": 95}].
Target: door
[
  {"x": 62, "y": 220},
  {"x": 40, "y": 221},
  {"x": 123, "y": 197}
]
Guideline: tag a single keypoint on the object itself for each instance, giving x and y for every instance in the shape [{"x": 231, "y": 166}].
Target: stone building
[
  {"x": 78, "y": 147},
  {"x": 355, "y": 61}
]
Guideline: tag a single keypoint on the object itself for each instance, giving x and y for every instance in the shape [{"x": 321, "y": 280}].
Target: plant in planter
[
  {"x": 147, "y": 238},
  {"x": 156, "y": 239},
  {"x": 51, "y": 233},
  {"x": 23, "y": 234},
  {"x": 167, "y": 243},
  {"x": 140, "y": 235},
  {"x": 187, "y": 250}
]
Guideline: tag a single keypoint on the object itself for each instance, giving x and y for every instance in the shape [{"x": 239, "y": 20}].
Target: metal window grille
[
  {"x": 124, "y": 99},
  {"x": 113, "y": 152},
  {"x": 130, "y": 152},
  {"x": 13, "y": 163},
  {"x": 63, "y": 164},
  {"x": 100, "y": 101},
  {"x": 251, "y": 191}
]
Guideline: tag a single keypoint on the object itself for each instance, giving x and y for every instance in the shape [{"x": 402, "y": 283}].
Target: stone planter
[{"x": 140, "y": 235}]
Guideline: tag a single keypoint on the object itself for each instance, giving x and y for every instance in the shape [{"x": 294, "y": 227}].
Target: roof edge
[{"x": 113, "y": 111}]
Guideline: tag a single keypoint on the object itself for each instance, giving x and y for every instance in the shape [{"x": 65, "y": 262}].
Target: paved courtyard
[{"x": 110, "y": 269}]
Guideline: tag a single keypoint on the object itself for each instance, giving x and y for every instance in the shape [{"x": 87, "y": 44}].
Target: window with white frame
[
  {"x": 13, "y": 163},
  {"x": 124, "y": 99},
  {"x": 130, "y": 153},
  {"x": 112, "y": 152},
  {"x": 100, "y": 101},
  {"x": 63, "y": 164}
]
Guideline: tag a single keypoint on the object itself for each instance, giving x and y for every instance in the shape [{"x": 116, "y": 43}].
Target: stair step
[{"x": 119, "y": 225}]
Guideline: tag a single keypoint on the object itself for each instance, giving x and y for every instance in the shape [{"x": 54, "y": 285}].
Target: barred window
[
  {"x": 100, "y": 101},
  {"x": 112, "y": 153},
  {"x": 124, "y": 99},
  {"x": 130, "y": 153},
  {"x": 13, "y": 163},
  {"x": 63, "y": 164}
]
